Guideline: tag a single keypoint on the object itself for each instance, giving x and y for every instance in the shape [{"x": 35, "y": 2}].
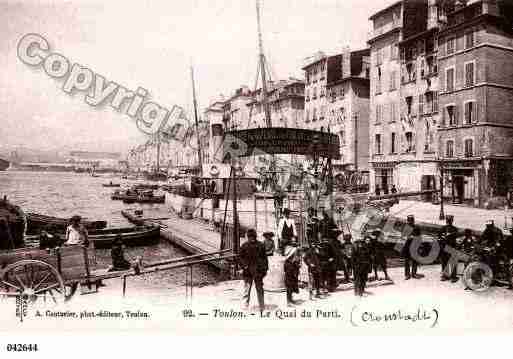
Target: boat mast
[
  {"x": 265, "y": 102},
  {"x": 157, "y": 138},
  {"x": 195, "y": 102}
]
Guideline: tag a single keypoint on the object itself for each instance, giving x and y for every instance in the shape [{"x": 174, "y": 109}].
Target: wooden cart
[{"x": 41, "y": 274}]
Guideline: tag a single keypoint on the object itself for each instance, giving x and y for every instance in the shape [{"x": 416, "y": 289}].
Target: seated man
[{"x": 119, "y": 262}]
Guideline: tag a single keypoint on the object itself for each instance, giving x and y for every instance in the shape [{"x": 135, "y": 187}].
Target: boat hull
[{"x": 36, "y": 222}]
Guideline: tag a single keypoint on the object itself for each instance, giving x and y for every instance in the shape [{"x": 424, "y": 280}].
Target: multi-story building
[
  {"x": 236, "y": 111},
  {"x": 475, "y": 62},
  {"x": 286, "y": 100},
  {"x": 316, "y": 78},
  {"x": 347, "y": 113},
  {"x": 404, "y": 86}
]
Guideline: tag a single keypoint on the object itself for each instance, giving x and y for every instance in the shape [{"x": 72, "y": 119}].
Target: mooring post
[{"x": 124, "y": 285}]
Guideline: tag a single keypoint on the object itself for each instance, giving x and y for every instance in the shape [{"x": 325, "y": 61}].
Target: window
[
  {"x": 323, "y": 92},
  {"x": 341, "y": 93},
  {"x": 409, "y": 142},
  {"x": 394, "y": 52},
  {"x": 307, "y": 114},
  {"x": 421, "y": 105},
  {"x": 314, "y": 95},
  {"x": 307, "y": 97},
  {"x": 392, "y": 143},
  {"x": 393, "y": 111},
  {"x": 469, "y": 40},
  {"x": 409, "y": 103},
  {"x": 449, "y": 81},
  {"x": 377, "y": 144},
  {"x": 449, "y": 149},
  {"x": 393, "y": 76},
  {"x": 451, "y": 115},
  {"x": 469, "y": 148},
  {"x": 333, "y": 94},
  {"x": 432, "y": 67},
  {"x": 379, "y": 57},
  {"x": 314, "y": 114},
  {"x": 469, "y": 74},
  {"x": 342, "y": 136},
  {"x": 378, "y": 80},
  {"x": 410, "y": 72},
  {"x": 435, "y": 101},
  {"x": 422, "y": 69},
  {"x": 341, "y": 115},
  {"x": 450, "y": 45},
  {"x": 469, "y": 112},
  {"x": 379, "y": 110},
  {"x": 322, "y": 112}
]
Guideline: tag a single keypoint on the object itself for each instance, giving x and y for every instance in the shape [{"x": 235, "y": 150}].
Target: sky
[{"x": 151, "y": 44}]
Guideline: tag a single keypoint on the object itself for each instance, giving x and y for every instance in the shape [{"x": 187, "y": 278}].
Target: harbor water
[{"x": 63, "y": 194}]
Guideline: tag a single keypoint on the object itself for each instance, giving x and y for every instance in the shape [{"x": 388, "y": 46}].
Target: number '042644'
[{"x": 22, "y": 347}]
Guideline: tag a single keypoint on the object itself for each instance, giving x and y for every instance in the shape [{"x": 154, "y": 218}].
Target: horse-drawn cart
[{"x": 54, "y": 273}]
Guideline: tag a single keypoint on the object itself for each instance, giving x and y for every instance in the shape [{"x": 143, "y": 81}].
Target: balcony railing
[{"x": 384, "y": 29}]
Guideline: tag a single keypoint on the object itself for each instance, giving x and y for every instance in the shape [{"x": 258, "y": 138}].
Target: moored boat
[
  {"x": 111, "y": 184},
  {"x": 13, "y": 225},
  {"x": 4, "y": 164},
  {"x": 141, "y": 198},
  {"x": 36, "y": 222},
  {"x": 131, "y": 236}
]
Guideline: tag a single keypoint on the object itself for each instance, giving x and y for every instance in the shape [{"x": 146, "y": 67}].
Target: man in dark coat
[
  {"x": 328, "y": 265},
  {"x": 291, "y": 269},
  {"x": 312, "y": 261},
  {"x": 377, "y": 250},
  {"x": 411, "y": 234},
  {"x": 253, "y": 260},
  {"x": 362, "y": 265},
  {"x": 447, "y": 239},
  {"x": 312, "y": 226},
  {"x": 327, "y": 224}
]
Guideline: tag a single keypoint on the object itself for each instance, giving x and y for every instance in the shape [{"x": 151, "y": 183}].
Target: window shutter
[{"x": 475, "y": 119}]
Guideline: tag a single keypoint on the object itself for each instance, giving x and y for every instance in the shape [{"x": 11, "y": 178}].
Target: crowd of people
[{"x": 330, "y": 250}]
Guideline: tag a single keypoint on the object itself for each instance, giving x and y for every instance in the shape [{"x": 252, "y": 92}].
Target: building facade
[
  {"x": 286, "y": 100},
  {"x": 476, "y": 101},
  {"x": 347, "y": 114},
  {"x": 404, "y": 94}
]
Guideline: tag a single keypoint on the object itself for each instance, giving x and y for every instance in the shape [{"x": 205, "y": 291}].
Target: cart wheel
[
  {"x": 33, "y": 280},
  {"x": 478, "y": 276}
]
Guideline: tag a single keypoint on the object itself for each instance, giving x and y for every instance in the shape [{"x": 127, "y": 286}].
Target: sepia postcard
[{"x": 236, "y": 167}]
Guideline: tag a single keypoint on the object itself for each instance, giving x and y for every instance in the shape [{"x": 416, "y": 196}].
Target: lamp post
[{"x": 442, "y": 214}]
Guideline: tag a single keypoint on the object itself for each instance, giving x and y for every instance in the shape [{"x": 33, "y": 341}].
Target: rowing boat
[
  {"x": 36, "y": 222},
  {"x": 103, "y": 238}
]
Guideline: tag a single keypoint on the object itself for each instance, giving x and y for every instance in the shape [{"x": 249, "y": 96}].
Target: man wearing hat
[
  {"x": 286, "y": 230},
  {"x": 362, "y": 265},
  {"x": 447, "y": 239},
  {"x": 312, "y": 226},
  {"x": 312, "y": 261},
  {"x": 269, "y": 243},
  {"x": 253, "y": 260},
  {"x": 328, "y": 260},
  {"x": 377, "y": 250},
  {"x": 411, "y": 233},
  {"x": 76, "y": 233},
  {"x": 291, "y": 268}
]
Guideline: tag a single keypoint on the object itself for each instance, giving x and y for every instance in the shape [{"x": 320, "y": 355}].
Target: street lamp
[{"x": 442, "y": 214}]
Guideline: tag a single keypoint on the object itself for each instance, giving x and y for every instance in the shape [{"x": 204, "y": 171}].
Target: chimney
[
  {"x": 346, "y": 62},
  {"x": 458, "y": 5},
  {"x": 432, "y": 20},
  {"x": 491, "y": 7}
]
